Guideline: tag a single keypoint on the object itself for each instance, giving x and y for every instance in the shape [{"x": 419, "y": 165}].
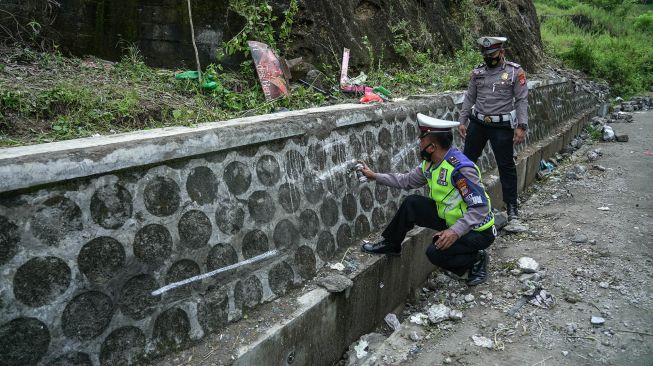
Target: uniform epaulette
[
  {"x": 453, "y": 160},
  {"x": 513, "y": 64},
  {"x": 479, "y": 66}
]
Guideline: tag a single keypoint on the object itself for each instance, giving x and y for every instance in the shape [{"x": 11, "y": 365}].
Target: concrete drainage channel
[{"x": 311, "y": 326}]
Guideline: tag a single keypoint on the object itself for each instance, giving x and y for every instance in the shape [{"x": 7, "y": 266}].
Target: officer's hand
[
  {"x": 447, "y": 238},
  {"x": 518, "y": 136},
  {"x": 462, "y": 130},
  {"x": 369, "y": 173}
]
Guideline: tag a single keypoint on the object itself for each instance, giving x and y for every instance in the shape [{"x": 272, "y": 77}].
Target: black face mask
[
  {"x": 492, "y": 61},
  {"x": 424, "y": 154}
]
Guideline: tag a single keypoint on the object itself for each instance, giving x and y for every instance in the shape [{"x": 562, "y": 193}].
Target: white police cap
[
  {"x": 490, "y": 44},
  {"x": 428, "y": 124}
]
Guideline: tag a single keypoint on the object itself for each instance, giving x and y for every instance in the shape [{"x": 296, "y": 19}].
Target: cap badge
[{"x": 486, "y": 42}]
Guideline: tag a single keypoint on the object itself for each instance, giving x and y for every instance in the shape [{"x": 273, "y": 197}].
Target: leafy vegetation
[{"x": 607, "y": 39}]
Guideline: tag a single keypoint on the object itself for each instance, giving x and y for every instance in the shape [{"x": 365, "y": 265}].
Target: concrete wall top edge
[{"x": 29, "y": 166}]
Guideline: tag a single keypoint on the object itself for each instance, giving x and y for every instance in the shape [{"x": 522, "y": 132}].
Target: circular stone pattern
[
  {"x": 57, "y": 217},
  {"x": 305, "y": 262},
  {"x": 343, "y": 236},
  {"x": 171, "y": 330},
  {"x": 237, "y": 177},
  {"x": 295, "y": 164},
  {"x": 101, "y": 258},
  {"x": 309, "y": 224},
  {"x": 72, "y": 359},
  {"x": 381, "y": 193},
  {"x": 153, "y": 244},
  {"x": 23, "y": 341},
  {"x": 285, "y": 235},
  {"x": 111, "y": 206},
  {"x": 398, "y": 136},
  {"x": 213, "y": 311},
  {"x": 124, "y": 346},
  {"x": 9, "y": 239},
  {"x": 221, "y": 255},
  {"x": 384, "y": 163},
  {"x": 367, "y": 199},
  {"x": 267, "y": 170},
  {"x": 349, "y": 207},
  {"x": 202, "y": 185},
  {"x": 261, "y": 207},
  {"x": 41, "y": 280},
  {"x": 280, "y": 278},
  {"x": 87, "y": 315},
  {"x": 194, "y": 229},
  {"x": 179, "y": 271},
  {"x": 289, "y": 197},
  {"x": 338, "y": 153},
  {"x": 248, "y": 293},
  {"x": 313, "y": 189},
  {"x": 378, "y": 218},
  {"x": 255, "y": 242},
  {"x": 136, "y": 300},
  {"x": 230, "y": 218},
  {"x": 361, "y": 226},
  {"x": 369, "y": 142},
  {"x": 329, "y": 212},
  {"x": 317, "y": 156},
  {"x": 355, "y": 145},
  {"x": 326, "y": 245},
  {"x": 161, "y": 196},
  {"x": 385, "y": 138}
]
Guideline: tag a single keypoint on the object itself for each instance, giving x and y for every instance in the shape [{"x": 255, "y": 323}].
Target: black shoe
[
  {"x": 511, "y": 210},
  {"x": 478, "y": 272},
  {"x": 381, "y": 247}
]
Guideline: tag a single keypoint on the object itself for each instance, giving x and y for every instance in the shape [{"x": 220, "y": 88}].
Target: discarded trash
[
  {"x": 392, "y": 321},
  {"x": 546, "y": 168},
  {"x": 438, "y": 313},
  {"x": 608, "y": 133},
  {"x": 360, "y": 349},
  {"x": 603, "y": 208},
  {"x": 541, "y": 298},
  {"x": 338, "y": 266},
  {"x": 647, "y": 152},
  {"x": 208, "y": 83},
  {"x": 481, "y": 341},
  {"x": 371, "y": 98},
  {"x": 269, "y": 70},
  {"x": 419, "y": 319}
]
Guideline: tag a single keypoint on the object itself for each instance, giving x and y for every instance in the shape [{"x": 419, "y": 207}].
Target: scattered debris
[
  {"x": 392, "y": 321},
  {"x": 541, "y": 298},
  {"x": 338, "y": 266},
  {"x": 438, "y": 313},
  {"x": 481, "y": 341},
  {"x": 335, "y": 282}
]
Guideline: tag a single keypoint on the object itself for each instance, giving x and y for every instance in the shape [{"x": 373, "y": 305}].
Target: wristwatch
[{"x": 523, "y": 126}]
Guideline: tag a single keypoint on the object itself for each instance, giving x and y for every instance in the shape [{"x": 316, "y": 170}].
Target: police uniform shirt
[{"x": 497, "y": 91}]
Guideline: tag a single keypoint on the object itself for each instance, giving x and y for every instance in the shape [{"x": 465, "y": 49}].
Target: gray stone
[
  {"x": 326, "y": 246},
  {"x": 313, "y": 189},
  {"x": 72, "y": 359},
  {"x": 202, "y": 185},
  {"x": 335, "y": 282},
  {"x": 229, "y": 218},
  {"x": 248, "y": 292},
  {"x": 237, "y": 177},
  {"x": 305, "y": 262},
  {"x": 56, "y": 218},
  {"x": 385, "y": 138},
  {"x": 213, "y": 310},
  {"x": 9, "y": 239},
  {"x": 194, "y": 229},
  {"x": 124, "y": 346},
  {"x": 366, "y": 199},
  {"x": 161, "y": 196},
  {"x": 361, "y": 226},
  {"x": 153, "y": 244},
  {"x": 579, "y": 238},
  {"x": 101, "y": 258},
  {"x": 136, "y": 300},
  {"x": 469, "y": 298},
  {"x": 577, "y": 172},
  {"x": 438, "y": 313},
  {"x": 179, "y": 271},
  {"x": 87, "y": 315},
  {"x": 23, "y": 341},
  {"x": 254, "y": 243},
  {"x": 528, "y": 265},
  {"x": 515, "y": 227},
  {"x": 317, "y": 157},
  {"x": 378, "y": 218},
  {"x": 171, "y": 330},
  {"x": 261, "y": 207},
  {"x": 455, "y": 314},
  {"x": 344, "y": 236},
  {"x": 280, "y": 277},
  {"x": 221, "y": 255},
  {"x": 111, "y": 206},
  {"x": 571, "y": 328},
  {"x": 309, "y": 224},
  {"x": 286, "y": 235},
  {"x": 267, "y": 170},
  {"x": 621, "y": 138},
  {"x": 597, "y": 321},
  {"x": 500, "y": 220},
  {"x": 41, "y": 280},
  {"x": 289, "y": 197},
  {"x": 349, "y": 207},
  {"x": 329, "y": 212},
  {"x": 295, "y": 164},
  {"x": 381, "y": 193}
]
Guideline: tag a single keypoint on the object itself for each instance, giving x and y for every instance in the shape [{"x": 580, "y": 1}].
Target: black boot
[
  {"x": 511, "y": 210},
  {"x": 382, "y": 247},
  {"x": 478, "y": 272}
]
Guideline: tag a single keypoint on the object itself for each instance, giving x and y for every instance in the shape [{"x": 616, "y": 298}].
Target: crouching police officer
[
  {"x": 496, "y": 103},
  {"x": 457, "y": 206}
]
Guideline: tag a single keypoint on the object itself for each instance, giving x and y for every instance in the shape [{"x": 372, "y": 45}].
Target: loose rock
[
  {"x": 528, "y": 265},
  {"x": 335, "y": 282},
  {"x": 597, "y": 321}
]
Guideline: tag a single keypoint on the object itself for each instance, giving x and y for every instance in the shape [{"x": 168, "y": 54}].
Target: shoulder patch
[
  {"x": 513, "y": 64},
  {"x": 453, "y": 160},
  {"x": 521, "y": 76}
]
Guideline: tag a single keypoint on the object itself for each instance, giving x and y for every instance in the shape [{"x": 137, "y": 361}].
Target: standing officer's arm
[
  {"x": 520, "y": 92},
  {"x": 468, "y": 102}
]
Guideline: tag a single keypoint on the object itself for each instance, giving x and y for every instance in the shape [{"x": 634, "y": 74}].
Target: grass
[{"x": 608, "y": 39}]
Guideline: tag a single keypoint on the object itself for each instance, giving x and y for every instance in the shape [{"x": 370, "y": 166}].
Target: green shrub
[{"x": 644, "y": 22}]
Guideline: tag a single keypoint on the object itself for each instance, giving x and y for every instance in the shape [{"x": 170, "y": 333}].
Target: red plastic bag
[{"x": 371, "y": 98}]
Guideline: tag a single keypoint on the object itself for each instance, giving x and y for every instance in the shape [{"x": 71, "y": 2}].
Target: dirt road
[{"x": 594, "y": 262}]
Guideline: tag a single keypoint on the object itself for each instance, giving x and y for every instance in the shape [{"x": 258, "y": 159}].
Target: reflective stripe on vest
[{"x": 450, "y": 204}]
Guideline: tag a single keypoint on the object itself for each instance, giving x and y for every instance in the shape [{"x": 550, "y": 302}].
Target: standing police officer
[{"x": 496, "y": 105}]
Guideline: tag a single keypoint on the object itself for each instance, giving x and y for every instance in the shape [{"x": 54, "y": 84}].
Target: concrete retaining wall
[{"x": 89, "y": 228}]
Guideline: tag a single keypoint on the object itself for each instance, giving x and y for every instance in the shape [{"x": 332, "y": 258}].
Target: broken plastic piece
[{"x": 371, "y": 98}]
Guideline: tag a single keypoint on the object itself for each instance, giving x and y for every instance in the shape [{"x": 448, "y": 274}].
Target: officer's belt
[{"x": 493, "y": 119}]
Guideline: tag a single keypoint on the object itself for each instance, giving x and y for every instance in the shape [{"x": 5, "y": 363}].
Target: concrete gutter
[{"x": 325, "y": 324}]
